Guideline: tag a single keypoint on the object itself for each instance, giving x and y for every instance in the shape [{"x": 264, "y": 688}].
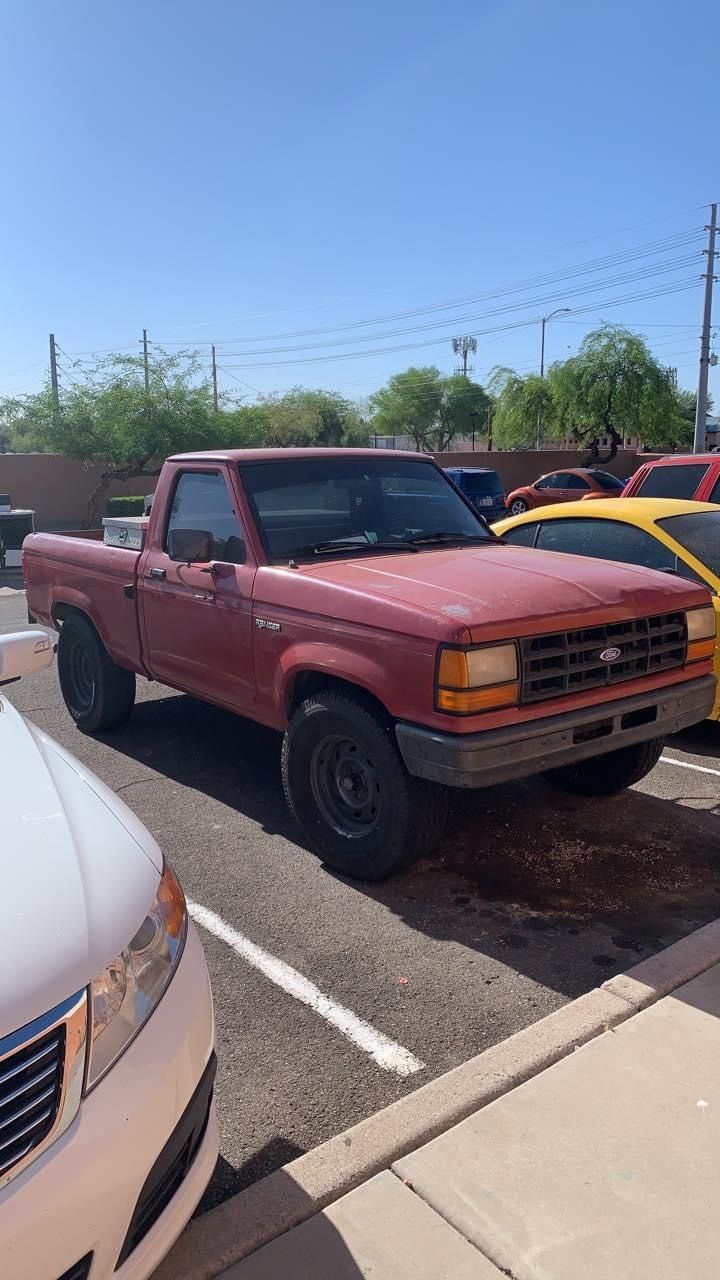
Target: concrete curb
[{"x": 302, "y": 1188}]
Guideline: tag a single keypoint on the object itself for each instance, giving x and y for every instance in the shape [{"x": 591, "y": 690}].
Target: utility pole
[
  {"x": 214, "y": 378},
  {"x": 53, "y": 370},
  {"x": 538, "y": 424},
  {"x": 702, "y": 393},
  {"x": 490, "y": 425},
  {"x": 145, "y": 362}
]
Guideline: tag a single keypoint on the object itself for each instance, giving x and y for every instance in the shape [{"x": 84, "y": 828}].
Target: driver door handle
[{"x": 156, "y": 573}]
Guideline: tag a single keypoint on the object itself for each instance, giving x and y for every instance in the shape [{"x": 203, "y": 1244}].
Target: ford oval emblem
[{"x": 610, "y": 655}]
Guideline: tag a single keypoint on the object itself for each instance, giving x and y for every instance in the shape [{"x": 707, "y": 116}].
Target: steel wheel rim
[
  {"x": 346, "y": 786},
  {"x": 82, "y": 675}
]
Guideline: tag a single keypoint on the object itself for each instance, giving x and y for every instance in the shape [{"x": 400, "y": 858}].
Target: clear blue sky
[{"x": 226, "y": 170}]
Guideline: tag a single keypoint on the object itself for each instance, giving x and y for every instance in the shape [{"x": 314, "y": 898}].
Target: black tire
[
  {"x": 518, "y": 507},
  {"x": 348, "y": 789},
  {"x": 604, "y": 775},
  {"x": 98, "y": 694}
]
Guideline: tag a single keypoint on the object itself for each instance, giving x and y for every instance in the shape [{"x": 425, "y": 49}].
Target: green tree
[
  {"x": 519, "y": 402},
  {"x": 313, "y": 417},
  {"x": 613, "y": 387},
  {"x": 110, "y": 419},
  {"x": 244, "y": 426},
  {"x": 429, "y": 408}
]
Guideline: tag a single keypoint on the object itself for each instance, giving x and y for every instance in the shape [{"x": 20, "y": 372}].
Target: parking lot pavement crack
[{"x": 136, "y": 782}]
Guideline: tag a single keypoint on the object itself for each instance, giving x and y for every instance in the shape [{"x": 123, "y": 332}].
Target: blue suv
[{"x": 482, "y": 487}]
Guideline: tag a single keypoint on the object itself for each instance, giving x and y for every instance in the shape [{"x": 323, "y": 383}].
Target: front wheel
[
  {"x": 97, "y": 692},
  {"x": 518, "y": 507},
  {"x": 604, "y": 775},
  {"x": 348, "y": 789}
]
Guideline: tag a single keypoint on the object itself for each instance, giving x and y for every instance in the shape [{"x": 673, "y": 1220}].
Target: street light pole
[{"x": 538, "y": 425}]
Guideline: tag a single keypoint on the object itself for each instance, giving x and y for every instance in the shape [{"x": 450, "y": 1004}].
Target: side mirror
[
  {"x": 24, "y": 653},
  {"x": 190, "y": 546}
]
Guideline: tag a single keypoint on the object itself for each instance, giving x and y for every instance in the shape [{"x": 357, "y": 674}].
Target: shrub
[{"x": 134, "y": 506}]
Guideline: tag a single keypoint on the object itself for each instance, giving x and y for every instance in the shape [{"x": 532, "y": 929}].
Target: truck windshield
[
  {"x": 699, "y": 534},
  {"x": 304, "y": 505}
]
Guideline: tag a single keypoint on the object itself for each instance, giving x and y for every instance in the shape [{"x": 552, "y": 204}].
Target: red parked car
[
  {"x": 564, "y": 486},
  {"x": 694, "y": 476}
]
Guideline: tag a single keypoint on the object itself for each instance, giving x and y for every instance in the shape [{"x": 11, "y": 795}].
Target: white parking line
[
  {"x": 384, "y": 1051},
  {"x": 685, "y": 764}
]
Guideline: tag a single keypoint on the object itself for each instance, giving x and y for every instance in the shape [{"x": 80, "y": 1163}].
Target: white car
[{"x": 108, "y": 1134}]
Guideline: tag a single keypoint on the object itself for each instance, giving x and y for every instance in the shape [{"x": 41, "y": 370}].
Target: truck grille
[
  {"x": 41, "y": 1074},
  {"x": 570, "y": 661},
  {"x": 30, "y": 1090}
]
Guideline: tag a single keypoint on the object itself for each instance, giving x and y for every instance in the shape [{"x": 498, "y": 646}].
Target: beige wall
[{"x": 57, "y": 489}]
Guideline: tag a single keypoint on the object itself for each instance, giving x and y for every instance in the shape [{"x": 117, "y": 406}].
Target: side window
[
  {"x": 679, "y": 481},
  {"x": 607, "y": 540},
  {"x": 548, "y": 482},
  {"x": 577, "y": 482},
  {"x": 201, "y": 501},
  {"x": 523, "y": 536},
  {"x": 715, "y": 493}
]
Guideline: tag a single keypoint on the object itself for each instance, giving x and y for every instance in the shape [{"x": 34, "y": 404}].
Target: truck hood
[
  {"x": 506, "y": 590},
  {"x": 79, "y": 873}
]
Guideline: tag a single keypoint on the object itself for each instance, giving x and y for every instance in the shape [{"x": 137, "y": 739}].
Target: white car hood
[{"x": 78, "y": 873}]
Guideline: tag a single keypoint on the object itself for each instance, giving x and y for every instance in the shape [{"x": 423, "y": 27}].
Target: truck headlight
[
  {"x": 482, "y": 679},
  {"x": 701, "y": 633},
  {"x": 124, "y": 995}
]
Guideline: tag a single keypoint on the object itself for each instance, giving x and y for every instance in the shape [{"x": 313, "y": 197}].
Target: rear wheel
[
  {"x": 605, "y": 775},
  {"x": 349, "y": 791},
  {"x": 518, "y": 507},
  {"x": 97, "y": 692}
]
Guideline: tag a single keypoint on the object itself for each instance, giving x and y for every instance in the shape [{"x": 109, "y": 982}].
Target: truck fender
[
  {"x": 75, "y": 601},
  {"x": 317, "y": 658}
]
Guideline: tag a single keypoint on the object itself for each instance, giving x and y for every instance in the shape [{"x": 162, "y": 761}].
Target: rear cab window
[{"x": 681, "y": 481}]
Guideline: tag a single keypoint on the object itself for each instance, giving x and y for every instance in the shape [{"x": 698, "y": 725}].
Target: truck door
[{"x": 197, "y": 618}]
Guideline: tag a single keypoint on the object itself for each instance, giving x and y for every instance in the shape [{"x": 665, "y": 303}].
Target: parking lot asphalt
[{"x": 334, "y": 998}]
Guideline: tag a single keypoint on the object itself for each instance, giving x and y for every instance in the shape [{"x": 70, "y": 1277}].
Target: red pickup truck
[{"x": 356, "y": 601}]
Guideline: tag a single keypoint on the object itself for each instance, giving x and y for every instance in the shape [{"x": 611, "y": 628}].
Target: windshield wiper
[
  {"x": 328, "y": 547},
  {"x": 427, "y": 539}
]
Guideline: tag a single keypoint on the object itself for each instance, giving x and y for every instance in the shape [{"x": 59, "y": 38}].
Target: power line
[
  {"x": 239, "y": 380},
  {"x": 605, "y": 235},
  {"x": 541, "y": 301},
  {"x": 640, "y": 296},
  {"x": 625, "y": 257}
]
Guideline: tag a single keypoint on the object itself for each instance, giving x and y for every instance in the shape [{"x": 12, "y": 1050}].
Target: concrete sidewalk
[{"x": 605, "y": 1166}]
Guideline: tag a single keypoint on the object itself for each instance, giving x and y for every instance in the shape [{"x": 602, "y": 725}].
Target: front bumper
[
  {"x": 515, "y": 751},
  {"x": 82, "y": 1195}
]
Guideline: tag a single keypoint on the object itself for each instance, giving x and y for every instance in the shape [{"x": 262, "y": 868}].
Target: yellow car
[{"x": 658, "y": 533}]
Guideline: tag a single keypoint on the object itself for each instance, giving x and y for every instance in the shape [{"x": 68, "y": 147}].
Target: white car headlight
[{"x": 124, "y": 995}]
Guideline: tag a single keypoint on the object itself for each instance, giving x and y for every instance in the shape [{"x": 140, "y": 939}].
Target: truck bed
[{"x": 79, "y": 570}]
